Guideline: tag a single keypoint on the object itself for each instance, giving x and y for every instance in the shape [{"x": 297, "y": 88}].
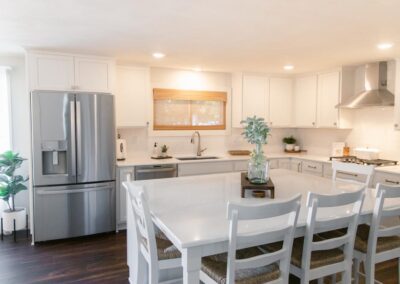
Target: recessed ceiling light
[
  {"x": 158, "y": 55},
  {"x": 197, "y": 69},
  {"x": 288, "y": 67},
  {"x": 385, "y": 45}
]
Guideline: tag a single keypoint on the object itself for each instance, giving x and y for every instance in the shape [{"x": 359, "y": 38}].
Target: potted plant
[
  {"x": 256, "y": 131},
  {"x": 10, "y": 185},
  {"x": 164, "y": 150},
  {"x": 289, "y": 142}
]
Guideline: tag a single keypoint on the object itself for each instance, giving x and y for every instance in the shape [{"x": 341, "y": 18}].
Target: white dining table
[{"x": 191, "y": 211}]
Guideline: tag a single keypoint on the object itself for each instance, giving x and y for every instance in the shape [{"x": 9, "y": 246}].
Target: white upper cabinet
[
  {"x": 132, "y": 98},
  {"x": 92, "y": 74},
  {"x": 255, "y": 96},
  {"x": 305, "y": 101},
  {"x": 237, "y": 88},
  {"x": 67, "y": 72},
  {"x": 50, "y": 72},
  {"x": 280, "y": 102},
  {"x": 396, "y": 88},
  {"x": 328, "y": 98}
]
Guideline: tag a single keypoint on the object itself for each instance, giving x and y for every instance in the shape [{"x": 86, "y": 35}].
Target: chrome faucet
[{"x": 199, "y": 150}]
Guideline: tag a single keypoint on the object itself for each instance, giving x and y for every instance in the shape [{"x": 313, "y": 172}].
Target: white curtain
[{"x": 5, "y": 110}]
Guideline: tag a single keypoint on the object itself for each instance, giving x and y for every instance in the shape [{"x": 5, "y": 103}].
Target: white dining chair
[
  {"x": 375, "y": 243},
  {"x": 245, "y": 262},
  {"x": 350, "y": 171},
  {"x": 314, "y": 257},
  {"x": 156, "y": 249}
]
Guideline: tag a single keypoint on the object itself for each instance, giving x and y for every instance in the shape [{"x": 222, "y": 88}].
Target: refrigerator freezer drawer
[{"x": 72, "y": 211}]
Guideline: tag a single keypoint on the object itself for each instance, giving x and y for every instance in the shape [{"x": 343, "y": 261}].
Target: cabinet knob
[
  {"x": 335, "y": 123},
  {"x": 396, "y": 125},
  {"x": 313, "y": 123}
]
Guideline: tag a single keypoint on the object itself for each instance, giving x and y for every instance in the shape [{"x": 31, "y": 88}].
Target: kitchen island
[{"x": 191, "y": 211}]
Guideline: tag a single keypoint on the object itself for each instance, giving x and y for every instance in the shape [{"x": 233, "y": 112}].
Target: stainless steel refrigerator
[{"x": 73, "y": 156}]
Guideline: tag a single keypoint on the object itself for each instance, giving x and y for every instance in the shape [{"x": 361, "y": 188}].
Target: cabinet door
[
  {"x": 132, "y": 96},
  {"x": 328, "y": 98},
  {"x": 204, "y": 168},
  {"x": 280, "y": 102},
  {"x": 237, "y": 103},
  {"x": 50, "y": 72},
  {"x": 255, "y": 96},
  {"x": 93, "y": 75},
  {"x": 305, "y": 101},
  {"x": 121, "y": 194},
  {"x": 397, "y": 95}
]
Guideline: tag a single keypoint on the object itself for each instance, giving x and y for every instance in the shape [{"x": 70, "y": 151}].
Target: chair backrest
[
  {"x": 145, "y": 235},
  {"x": 316, "y": 225},
  {"x": 287, "y": 211},
  {"x": 354, "y": 170},
  {"x": 383, "y": 192}
]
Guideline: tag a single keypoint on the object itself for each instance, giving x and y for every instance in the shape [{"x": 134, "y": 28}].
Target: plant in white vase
[
  {"x": 289, "y": 143},
  {"x": 10, "y": 185},
  {"x": 256, "y": 131}
]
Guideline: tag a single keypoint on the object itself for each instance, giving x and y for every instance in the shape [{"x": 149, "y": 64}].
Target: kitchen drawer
[
  {"x": 285, "y": 164},
  {"x": 204, "y": 168},
  {"x": 312, "y": 168},
  {"x": 387, "y": 179},
  {"x": 351, "y": 176},
  {"x": 295, "y": 165},
  {"x": 240, "y": 166}
]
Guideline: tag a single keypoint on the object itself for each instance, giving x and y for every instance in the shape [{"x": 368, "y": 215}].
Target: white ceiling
[{"x": 225, "y": 35}]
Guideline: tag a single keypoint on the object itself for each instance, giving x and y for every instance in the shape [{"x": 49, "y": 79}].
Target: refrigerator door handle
[
  {"x": 79, "y": 136},
  {"x": 73, "y": 138},
  {"x": 63, "y": 191}
]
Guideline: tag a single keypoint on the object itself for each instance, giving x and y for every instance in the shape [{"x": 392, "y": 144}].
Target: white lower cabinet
[
  {"x": 122, "y": 175},
  {"x": 327, "y": 170},
  {"x": 386, "y": 178},
  {"x": 192, "y": 169},
  {"x": 240, "y": 166}
]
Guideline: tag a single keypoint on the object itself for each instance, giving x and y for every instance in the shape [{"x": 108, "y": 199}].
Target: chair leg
[
  {"x": 356, "y": 270},
  {"x": 346, "y": 276},
  {"x": 369, "y": 268}
]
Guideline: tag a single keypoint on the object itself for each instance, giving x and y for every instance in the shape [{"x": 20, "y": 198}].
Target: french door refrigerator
[{"x": 73, "y": 162}]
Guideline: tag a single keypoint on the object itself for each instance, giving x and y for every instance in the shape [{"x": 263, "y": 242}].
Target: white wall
[{"x": 20, "y": 116}]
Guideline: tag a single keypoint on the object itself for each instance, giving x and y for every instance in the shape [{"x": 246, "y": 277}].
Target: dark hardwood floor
[{"x": 93, "y": 259}]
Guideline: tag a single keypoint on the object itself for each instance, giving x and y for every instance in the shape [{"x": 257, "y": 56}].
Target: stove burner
[{"x": 355, "y": 160}]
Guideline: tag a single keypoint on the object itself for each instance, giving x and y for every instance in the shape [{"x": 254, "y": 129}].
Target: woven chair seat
[
  {"x": 318, "y": 258},
  {"x": 165, "y": 249},
  {"x": 216, "y": 267},
  {"x": 361, "y": 241}
]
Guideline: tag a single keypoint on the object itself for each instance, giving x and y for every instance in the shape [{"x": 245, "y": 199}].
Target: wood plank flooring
[{"x": 93, "y": 259}]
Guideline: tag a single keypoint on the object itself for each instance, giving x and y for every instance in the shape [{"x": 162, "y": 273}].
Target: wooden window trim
[{"x": 190, "y": 95}]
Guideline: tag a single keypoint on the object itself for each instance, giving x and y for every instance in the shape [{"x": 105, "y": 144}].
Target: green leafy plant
[
  {"x": 10, "y": 184},
  {"x": 256, "y": 131},
  {"x": 164, "y": 149},
  {"x": 289, "y": 140}
]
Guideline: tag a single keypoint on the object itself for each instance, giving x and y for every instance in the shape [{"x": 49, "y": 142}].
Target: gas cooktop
[{"x": 355, "y": 160}]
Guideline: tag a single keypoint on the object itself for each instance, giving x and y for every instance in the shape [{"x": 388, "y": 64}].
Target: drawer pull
[
  {"x": 392, "y": 181},
  {"x": 312, "y": 167},
  {"x": 348, "y": 174}
]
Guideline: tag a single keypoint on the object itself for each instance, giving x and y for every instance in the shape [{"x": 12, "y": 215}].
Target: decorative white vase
[
  {"x": 19, "y": 215},
  {"x": 289, "y": 147}
]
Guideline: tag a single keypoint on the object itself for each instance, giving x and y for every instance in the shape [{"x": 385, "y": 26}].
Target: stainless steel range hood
[{"x": 375, "y": 91}]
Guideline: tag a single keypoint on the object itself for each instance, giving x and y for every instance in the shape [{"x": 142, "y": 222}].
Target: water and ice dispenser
[{"x": 54, "y": 157}]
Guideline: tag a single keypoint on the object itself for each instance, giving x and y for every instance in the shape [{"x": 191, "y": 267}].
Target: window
[
  {"x": 5, "y": 120},
  {"x": 189, "y": 110}
]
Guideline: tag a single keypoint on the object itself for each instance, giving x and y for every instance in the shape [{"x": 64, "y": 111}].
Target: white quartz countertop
[{"x": 144, "y": 159}]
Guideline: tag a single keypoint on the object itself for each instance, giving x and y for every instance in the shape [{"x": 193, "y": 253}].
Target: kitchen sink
[{"x": 197, "y": 158}]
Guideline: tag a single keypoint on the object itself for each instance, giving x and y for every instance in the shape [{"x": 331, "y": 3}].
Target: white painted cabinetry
[
  {"x": 192, "y": 169},
  {"x": 328, "y": 98},
  {"x": 386, "y": 178},
  {"x": 396, "y": 88},
  {"x": 132, "y": 97},
  {"x": 280, "y": 102},
  {"x": 255, "y": 96},
  {"x": 122, "y": 175},
  {"x": 312, "y": 168},
  {"x": 66, "y": 72},
  {"x": 305, "y": 101}
]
